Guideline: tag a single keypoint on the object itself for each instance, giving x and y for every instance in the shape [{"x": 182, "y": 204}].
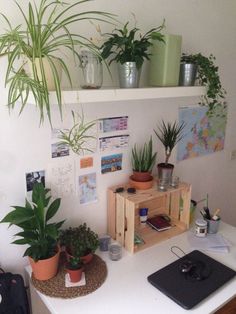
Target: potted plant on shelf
[
  {"x": 206, "y": 72},
  {"x": 143, "y": 160},
  {"x": 74, "y": 268},
  {"x": 129, "y": 49},
  {"x": 38, "y": 232},
  {"x": 77, "y": 137},
  {"x": 169, "y": 135},
  {"x": 79, "y": 242},
  {"x": 39, "y": 45}
]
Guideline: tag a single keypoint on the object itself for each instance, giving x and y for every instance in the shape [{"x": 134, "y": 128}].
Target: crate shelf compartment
[{"x": 123, "y": 214}]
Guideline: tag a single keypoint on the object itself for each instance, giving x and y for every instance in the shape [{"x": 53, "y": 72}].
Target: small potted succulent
[
  {"x": 129, "y": 48},
  {"x": 79, "y": 241},
  {"x": 74, "y": 267},
  {"x": 169, "y": 135},
  {"x": 143, "y": 160}
]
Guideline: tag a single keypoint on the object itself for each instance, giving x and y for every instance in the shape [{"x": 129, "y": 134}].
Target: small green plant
[
  {"x": 77, "y": 137},
  {"x": 143, "y": 159},
  {"x": 124, "y": 45},
  {"x": 34, "y": 219},
  {"x": 79, "y": 241},
  {"x": 74, "y": 263},
  {"x": 169, "y": 134},
  {"x": 208, "y": 76}
]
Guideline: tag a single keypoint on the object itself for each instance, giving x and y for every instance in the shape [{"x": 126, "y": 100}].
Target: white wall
[{"x": 206, "y": 26}]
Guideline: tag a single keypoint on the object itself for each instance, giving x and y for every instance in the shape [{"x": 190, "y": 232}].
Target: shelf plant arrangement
[
  {"x": 39, "y": 45},
  {"x": 208, "y": 75},
  {"x": 143, "y": 160},
  {"x": 126, "y": 45},
  {"x": 38, "y": 232},
  {"x": 169, "y": 134}
]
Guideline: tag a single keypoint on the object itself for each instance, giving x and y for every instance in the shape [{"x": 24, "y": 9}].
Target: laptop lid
[{"x": 191, "y": 279}]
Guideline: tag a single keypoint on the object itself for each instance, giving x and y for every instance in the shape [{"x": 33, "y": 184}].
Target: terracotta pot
[
  {"x": 141, "y": 185},
  {"x": 86, "y": 259},
  {"x": 46, "y": 268},
  {"x": 75, "y": 274},
  {"x": 141, "y": 176}
]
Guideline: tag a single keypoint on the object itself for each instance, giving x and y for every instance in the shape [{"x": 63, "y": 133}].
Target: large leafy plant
[
  {"x": 208, "y": 75},
  {"x": 169, "y": 134},
  {"x": 143, "y": 158},
  {"x": 34, "y": 219},
  {"x": 124, "y": 45},
  {"x": 46, "y": 33}
]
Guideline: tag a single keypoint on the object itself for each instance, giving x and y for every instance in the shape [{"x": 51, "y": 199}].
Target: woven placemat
[{"x": 95, "y": 274}]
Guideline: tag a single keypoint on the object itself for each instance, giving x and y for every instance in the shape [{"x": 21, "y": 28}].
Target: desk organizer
[{"x": 123, "y": 214}]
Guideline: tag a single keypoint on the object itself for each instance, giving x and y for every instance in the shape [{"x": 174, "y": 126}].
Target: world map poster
[{"x": 203, "y": 134}]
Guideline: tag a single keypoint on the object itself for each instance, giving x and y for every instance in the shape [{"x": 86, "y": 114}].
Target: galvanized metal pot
[
  {"x": 129, "y": 75},
  {"x": 187, "y": 74}
]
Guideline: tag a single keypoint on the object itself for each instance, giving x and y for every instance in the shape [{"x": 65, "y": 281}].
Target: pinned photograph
[{"x": 33, "y": 177}]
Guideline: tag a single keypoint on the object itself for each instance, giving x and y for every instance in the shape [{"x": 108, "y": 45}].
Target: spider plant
[
  {"x": 45, "y": 34},
  {"x": 169, "y": 134},
  {"x": 77, "y": 137}
]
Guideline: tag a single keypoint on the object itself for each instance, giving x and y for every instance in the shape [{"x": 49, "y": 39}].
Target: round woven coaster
[{"x": 95, "y": 275}]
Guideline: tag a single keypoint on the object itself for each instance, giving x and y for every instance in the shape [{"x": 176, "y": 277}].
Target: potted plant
[
  {"x": 79, "y": 242},
  {"x": 207, "y": 75},
  {"x": 38, "y": 232},
  {"x": 77, "y": 137},
  {"x": 74, "y": 268},
  {"x": 46, "y": 32},
  {"x": 143, "y": 160},
  {"x": 169, "y": 135},
  {"x": 129, "y": 48}
]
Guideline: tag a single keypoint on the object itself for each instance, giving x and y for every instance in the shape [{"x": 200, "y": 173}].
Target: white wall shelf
[{"x": 119, "y": 94}]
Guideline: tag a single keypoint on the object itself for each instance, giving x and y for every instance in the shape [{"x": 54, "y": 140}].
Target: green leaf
[
  {"x": 53, "y": 208},
  {"x": 18, "y": 216}
]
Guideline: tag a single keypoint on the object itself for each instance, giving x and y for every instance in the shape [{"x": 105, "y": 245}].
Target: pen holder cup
[{"x": 212, "y": 225}]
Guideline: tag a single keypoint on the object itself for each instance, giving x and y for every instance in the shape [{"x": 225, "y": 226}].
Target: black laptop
[{"x": 191, "y": 278}]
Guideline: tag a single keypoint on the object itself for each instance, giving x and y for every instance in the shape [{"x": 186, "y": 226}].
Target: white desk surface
[{"x": 127, "y": 291}]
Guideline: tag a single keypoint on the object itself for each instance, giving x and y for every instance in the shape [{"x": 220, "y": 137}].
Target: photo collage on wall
[{"x": 71, "y": 174}]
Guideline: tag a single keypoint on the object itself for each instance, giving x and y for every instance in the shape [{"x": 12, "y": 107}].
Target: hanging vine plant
[{"x": 208, "y": 75}]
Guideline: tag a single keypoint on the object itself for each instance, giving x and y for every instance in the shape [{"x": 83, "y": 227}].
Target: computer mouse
[{"x": 186, "y": 266}]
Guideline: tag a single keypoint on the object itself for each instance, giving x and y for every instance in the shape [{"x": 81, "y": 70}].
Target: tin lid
[{"x": 201, "y": 222}]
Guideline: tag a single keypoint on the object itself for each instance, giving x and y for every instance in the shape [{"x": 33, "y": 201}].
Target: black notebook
[
  {"x": 159, "y": 222},
  {"x": 187, "y": 289}
]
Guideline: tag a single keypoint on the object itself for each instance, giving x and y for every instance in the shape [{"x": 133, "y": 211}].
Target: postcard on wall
[
  {"x": 113, "y": 124},
  {"x": 87, "y": 188},
  {"x": 111, "y": 163},
  {"x": 86, "y": 162},
  {"x": 60, "y": 177},
  {"x": 113, "y": 142},
  {"x": 58, "y": 149},
  {"x": 33, "y": 177}
]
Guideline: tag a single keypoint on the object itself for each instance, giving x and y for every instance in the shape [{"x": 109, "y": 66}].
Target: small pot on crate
[{"x": 143, "y": 160}]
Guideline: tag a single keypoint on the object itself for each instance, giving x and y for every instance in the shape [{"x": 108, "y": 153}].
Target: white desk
[{"x": 127, "y": 291}]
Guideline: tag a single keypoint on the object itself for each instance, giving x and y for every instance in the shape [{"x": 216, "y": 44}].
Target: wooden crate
[{"x": 123, "y": 214}]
